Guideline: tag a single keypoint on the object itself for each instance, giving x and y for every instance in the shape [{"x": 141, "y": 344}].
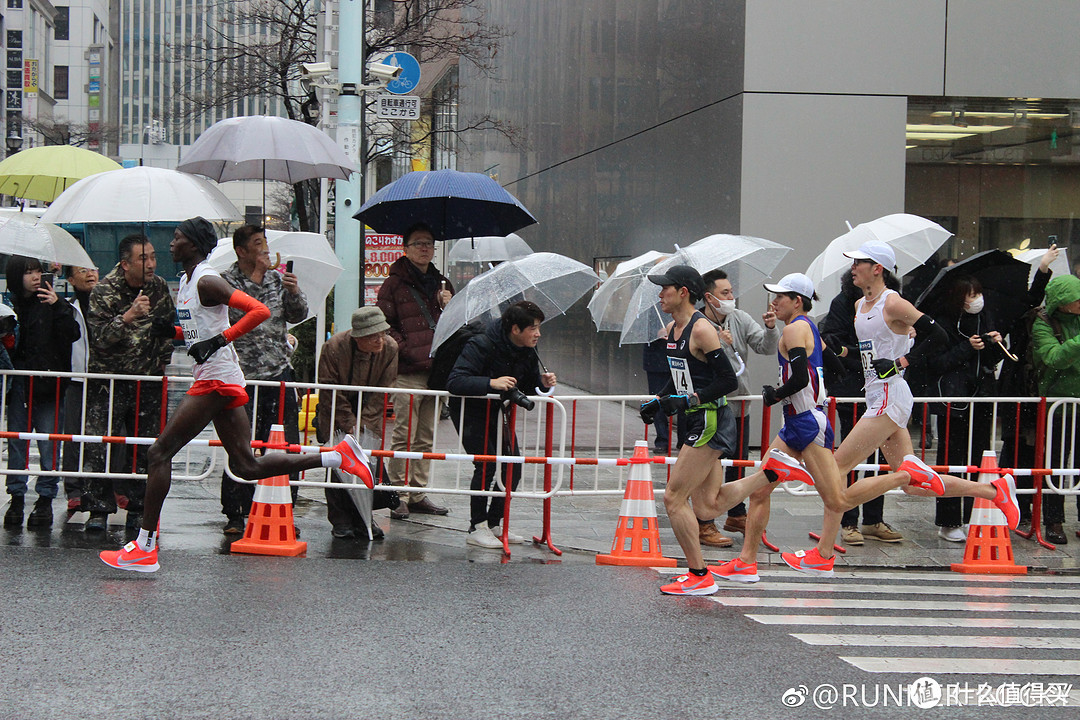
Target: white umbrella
[
  {"x": 1060, "y": 265},
  {"x": 912, "y": 238},
  {"x": 746, "y": 260},
  {"x": 488, "y": 249},
  {"x": 554, "y": 282},
  {"x": 268, "y": 148},
  {"x": 140, "y": 194},
  {"x": 42, "y": 240},
  {"x": 316, "y": 266},
  {"x": 609, "y": 303}
]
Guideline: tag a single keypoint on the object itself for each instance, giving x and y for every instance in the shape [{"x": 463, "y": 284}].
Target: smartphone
[
  {"x": 48, "y": 279},
  {"x": 288, "y": 266}
]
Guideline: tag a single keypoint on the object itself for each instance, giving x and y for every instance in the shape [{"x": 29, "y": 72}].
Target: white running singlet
[
  {"x": 892, "y": 396},
  {"x": 201, "y": 323}
]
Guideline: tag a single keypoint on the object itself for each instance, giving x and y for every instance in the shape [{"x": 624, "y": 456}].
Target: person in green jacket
[{"x": 1055, "y": 341}]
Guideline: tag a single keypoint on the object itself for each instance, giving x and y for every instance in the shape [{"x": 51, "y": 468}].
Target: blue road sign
[{"x": 409, "y": 78}]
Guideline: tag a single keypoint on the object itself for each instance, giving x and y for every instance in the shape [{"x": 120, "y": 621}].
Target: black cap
[{"x": 682, "y": 276}]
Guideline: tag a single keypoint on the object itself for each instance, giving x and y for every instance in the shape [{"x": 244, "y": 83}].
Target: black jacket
[
  {"x": 488, "y": 356},
  {"x": 837, "y": 329},
  {"x": 960, "y": 370},
  {"x": 46, "y": 333}
]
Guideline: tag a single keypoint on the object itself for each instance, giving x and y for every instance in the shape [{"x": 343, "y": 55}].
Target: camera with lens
[{"x": 518, "y": 398}]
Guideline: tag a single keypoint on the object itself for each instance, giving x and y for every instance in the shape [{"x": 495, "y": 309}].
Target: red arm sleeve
[{"x": 254, "y": 313}]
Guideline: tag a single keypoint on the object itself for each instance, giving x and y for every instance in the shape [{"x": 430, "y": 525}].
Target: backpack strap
[{"x": 423, "y": 306}]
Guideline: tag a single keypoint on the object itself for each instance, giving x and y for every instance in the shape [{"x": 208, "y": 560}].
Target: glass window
[
  {"x": 60, "y": 82},
  {"x": 997, "y": 172},
  {"x": 62, "y": 23},
  {"x": 14, "y": 3}
]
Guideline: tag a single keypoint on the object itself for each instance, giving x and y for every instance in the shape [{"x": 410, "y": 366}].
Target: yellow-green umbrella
[{"x": 42, "y": 173}]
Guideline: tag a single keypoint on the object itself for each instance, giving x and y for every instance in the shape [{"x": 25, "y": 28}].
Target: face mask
[
  {"x": 974, "y": 307},
  {"x": 725, "y": 307}
]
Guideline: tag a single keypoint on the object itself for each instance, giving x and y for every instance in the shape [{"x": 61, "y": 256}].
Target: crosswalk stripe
[
  {"x": 873, "y": 604},
  {"x": 949, "y": 641},
  {"x": 917, "y": 621},
  {"x": 974, "y": 591},
  {"x": 769, "y": 572},
  {"x": 964, "y": 666}
]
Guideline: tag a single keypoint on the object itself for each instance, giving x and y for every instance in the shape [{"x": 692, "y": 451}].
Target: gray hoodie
[{"x": 746, "y": 333}]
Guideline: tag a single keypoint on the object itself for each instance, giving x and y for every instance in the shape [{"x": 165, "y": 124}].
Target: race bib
[
  {"x": 187, "y": 324},
  {"x": 866, "y": 355},
  {"x": 680, "y": 374}
]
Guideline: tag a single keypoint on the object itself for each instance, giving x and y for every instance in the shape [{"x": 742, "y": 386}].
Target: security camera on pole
[{"x": 352, "y": 136}]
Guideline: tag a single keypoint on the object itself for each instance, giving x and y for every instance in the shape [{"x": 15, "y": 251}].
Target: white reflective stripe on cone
[
  {"x": 638, "y": 508},
  {"x": 272, "y": 494}
]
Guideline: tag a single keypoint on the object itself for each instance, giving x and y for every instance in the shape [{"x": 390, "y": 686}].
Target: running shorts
[
  {"x": 891, "y": 398},
  {"x": 713, "y": 427},
  {"x": 802, "y": 429},
  {"x": 206, "y": 387}
]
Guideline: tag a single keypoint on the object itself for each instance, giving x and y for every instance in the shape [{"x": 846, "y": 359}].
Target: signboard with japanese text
[
  {"x": 382, "y": 251},
  {"x": 30, "y": 77},
  {"x": 398, "y": 107}
]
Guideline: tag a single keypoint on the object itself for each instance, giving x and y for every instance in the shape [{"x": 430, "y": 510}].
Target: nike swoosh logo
[{"x": 123, "y": 562}]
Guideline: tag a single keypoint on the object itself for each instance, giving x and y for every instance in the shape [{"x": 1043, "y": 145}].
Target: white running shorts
[{"x": 892, "y": 398}]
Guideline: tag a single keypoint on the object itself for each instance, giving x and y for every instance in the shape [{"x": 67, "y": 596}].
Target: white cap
[
  {"x": 793, "y": 283},
  {"x": 878, "y": 252}
]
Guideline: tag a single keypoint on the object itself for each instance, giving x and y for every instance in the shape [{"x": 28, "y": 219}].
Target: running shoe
[
  {"x": 810, "y": 562},
  {"x": 691, "y": 584},
  {"x": 736, "y": 571},
  {"x": 1006, "y": 500},
  {"x": 354, "y": 460},
  {"x": 787, "y": 468},
  {"x": 921, "y": 475},
  {"x": 131, "y": 557}
]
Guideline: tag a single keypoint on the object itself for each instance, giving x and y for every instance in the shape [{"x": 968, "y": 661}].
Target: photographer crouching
[{"x": 501, "y": 360}]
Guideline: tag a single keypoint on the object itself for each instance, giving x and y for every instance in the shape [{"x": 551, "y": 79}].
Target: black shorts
[{"x": 713, "y": 427}]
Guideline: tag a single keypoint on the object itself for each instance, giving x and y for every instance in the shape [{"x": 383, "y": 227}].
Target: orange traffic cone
[
  {"x": 270, "y": 529},
  {"x": 989, "y": 549},
  {"x": 637, "y": 538}
]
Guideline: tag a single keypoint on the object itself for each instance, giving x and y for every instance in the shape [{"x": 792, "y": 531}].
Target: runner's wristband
[{"x": 254, "y": 314}]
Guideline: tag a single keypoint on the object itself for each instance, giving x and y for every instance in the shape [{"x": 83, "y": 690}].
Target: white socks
[
  {"x": 331, "y": 459},
  {"x": 147, "y": 540}
]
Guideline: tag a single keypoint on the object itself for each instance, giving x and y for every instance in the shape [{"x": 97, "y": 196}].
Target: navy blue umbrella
[{"x": 454, "y": 204}]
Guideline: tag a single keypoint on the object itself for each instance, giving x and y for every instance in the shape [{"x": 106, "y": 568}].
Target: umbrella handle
[
  {"x": 1006, "y": 351},
  {"x": 549, "y": 393}
]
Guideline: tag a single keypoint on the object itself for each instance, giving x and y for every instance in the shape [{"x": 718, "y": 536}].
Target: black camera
[
  {"x": 518, "y": 398},
  {"x": 987, "y": 340}
]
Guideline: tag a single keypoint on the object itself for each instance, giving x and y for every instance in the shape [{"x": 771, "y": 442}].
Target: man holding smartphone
[
  {"x": 128, "y": 313},
  {"x": 264, "y": 355}
]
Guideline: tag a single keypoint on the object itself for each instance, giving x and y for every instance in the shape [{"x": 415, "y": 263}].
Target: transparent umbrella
[
  {"x": 554, "y": 282},
  {"x": 912, "y": 238},
  {"x": 747, "y": 261},
  {"x": 316, "y": 266},
  {"x": 141, "y": 194},
  {"x": 610, "y": 301},
  {"x": 488, "y": 249},
  {"x": 42, "y": 240}
]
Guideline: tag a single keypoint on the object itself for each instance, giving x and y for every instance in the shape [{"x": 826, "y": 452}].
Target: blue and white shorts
[{"x": 802, "y": 429}]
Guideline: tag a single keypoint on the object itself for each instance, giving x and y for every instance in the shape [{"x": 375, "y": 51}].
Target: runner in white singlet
[
  {"x": 217, "y": 395},
  {"x": 891, "y": 396},
  {"x": 883, "y": 323}
]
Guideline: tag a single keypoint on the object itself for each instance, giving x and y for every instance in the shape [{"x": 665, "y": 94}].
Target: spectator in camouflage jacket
[
  {"x": 264, "y": 355},
  {"x": 130, "y": 320}
]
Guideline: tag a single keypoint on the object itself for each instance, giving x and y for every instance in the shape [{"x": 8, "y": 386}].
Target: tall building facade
[
  {"x": 654, "y": 122},
  {"x": 163, "y": 48}
]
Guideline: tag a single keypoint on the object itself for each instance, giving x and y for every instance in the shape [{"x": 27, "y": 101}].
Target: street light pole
[{"x": 349, "y": 232}]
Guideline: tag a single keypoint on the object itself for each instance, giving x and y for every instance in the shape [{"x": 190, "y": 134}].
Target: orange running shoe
[
  {"x": 1006, "y": 500},
  {"x": 691, "y": 584},
  {"x": 810, "y": 562},
  {"x": 354, "y": 460},
  {"x": 131, "y": 557},
  {"x": 921, "y": 475},
  {"x": 736, "y": 571},
  {"x": 786, "y": 467}
]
